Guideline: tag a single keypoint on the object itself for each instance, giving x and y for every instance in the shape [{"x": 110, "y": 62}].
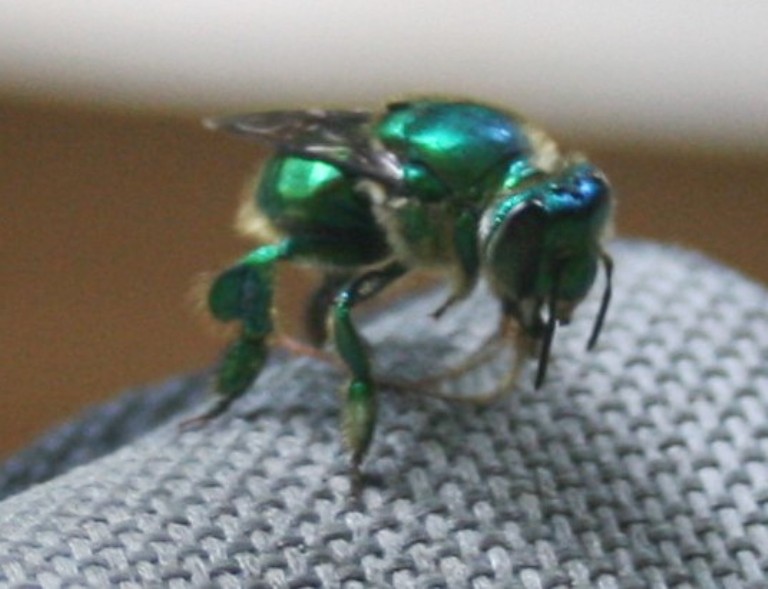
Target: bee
[{"x": 366, "y": 197}]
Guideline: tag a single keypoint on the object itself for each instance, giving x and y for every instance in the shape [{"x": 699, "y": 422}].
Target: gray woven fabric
[
  {"x": 100, "y": 430},
  {"x": 641, "y": 464}
]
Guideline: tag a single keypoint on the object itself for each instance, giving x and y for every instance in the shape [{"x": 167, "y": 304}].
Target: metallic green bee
[{"x": 367, "y": 197}]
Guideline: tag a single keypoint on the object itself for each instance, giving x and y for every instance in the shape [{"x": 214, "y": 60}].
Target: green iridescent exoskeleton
[{"x": 367, "y": 197}]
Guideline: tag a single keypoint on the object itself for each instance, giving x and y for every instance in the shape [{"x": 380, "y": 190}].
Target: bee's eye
[
  {"x": 580, "y": 188},
  {"x": 590, "y": 187}
]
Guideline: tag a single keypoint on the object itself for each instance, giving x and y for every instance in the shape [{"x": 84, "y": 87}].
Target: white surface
[{"x": 661, "y": 71}]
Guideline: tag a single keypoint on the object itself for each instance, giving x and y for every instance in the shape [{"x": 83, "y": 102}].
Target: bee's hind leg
[{"x": 243, "y": 292}]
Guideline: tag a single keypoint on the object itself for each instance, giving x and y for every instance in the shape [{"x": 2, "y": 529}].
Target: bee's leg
[
  {"x": 359, "y": 411},
  {"x": 316, "y": 311},
  {"x": 482, "y": 354},
  {"x": 443, "y": 384},
  {"x": 243, "y": 292},
  {"x": 316, "y": 320},
  {"x": 467, "y": 260}
]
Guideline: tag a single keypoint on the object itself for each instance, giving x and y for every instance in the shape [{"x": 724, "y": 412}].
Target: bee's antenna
[{"x": 608, "y": 266}]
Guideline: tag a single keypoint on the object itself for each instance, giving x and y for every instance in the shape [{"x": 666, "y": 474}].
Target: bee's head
[{"x": 540, "y": 241}]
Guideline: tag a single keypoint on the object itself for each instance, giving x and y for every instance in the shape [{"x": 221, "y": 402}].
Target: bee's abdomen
[{"x": 313, "y": 199}]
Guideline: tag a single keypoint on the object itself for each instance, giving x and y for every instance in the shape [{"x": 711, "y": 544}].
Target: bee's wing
[{"x": 339, "y": 137}]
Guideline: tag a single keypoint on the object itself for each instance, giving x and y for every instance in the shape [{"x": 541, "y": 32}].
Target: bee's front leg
[{"x": 467, "y": 267}]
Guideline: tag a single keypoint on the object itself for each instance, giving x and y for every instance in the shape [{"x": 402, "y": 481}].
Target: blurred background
[{"x": 113, "y": 198}]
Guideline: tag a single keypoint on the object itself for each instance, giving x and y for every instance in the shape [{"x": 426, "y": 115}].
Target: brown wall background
[{"x": 106, "y": 218}]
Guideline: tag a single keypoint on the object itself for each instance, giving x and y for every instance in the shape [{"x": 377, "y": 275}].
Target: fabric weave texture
[{"x": 641, "y": 464}]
